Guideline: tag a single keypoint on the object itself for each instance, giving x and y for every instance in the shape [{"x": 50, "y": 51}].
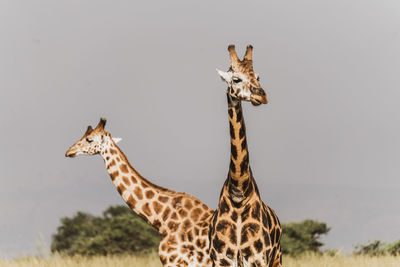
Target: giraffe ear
[
  {"x": 116, "y": 139},
  {"x": 225, "y": 76}
]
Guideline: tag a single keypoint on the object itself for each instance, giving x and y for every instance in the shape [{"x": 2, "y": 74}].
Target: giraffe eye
[
  {"x": 88, "y": 140},
  {"x": 258, "y": 78},
  {"x": 236, "y": 80}
]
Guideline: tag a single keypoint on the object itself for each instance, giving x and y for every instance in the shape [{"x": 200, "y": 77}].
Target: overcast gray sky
[{"x": 326, "y": 147}]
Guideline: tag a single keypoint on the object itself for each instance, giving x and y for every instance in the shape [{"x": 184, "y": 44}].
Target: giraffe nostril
[
  {"x": 258, "y": 96},
  {"x": 70, "y": 154},
  {"x": 258, "y": 91}
]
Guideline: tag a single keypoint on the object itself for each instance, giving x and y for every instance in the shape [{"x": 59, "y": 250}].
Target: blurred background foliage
[
  {"x": 378, "y": 248},
  {"x": 301, "y": 237},
  {"x": 117, "y": 231},
  {"x": 121, "y": 231}
]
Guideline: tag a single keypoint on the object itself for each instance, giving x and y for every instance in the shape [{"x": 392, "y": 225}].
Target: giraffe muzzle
[
  {"x": 70, "y": 154},
  {"x": 257, "y": 100},
  {"x": 258, "y": 96}
]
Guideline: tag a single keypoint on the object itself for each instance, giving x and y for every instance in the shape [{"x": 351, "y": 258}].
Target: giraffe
[
  {"x": 182, "y": 220},
  {"x": 244, "y": 230}
]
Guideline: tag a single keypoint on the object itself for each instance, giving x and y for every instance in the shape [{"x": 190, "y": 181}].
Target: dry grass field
[
  {"x": 340, "y": 261},
  {"x": 110, "y": 261},
  {"x": 152, "y": 261}
]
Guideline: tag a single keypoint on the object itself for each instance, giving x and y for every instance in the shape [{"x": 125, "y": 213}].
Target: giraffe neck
[
  {"x": 240, "y": 180},
  {"x": 142, "y": 196}
]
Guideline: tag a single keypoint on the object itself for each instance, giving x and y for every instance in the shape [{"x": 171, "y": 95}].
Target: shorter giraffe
[
  {"x": 182, "y": 220},
  {"x": 244, "y": 230}
]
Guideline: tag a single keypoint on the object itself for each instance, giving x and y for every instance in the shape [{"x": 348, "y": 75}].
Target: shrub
[
  {"x": 301, "y": 237},
  {"x": 118, "y": 231}
]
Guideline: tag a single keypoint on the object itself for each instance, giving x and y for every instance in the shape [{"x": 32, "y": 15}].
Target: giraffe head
[
  {"x": 243, "y": 82},
  {"x": 92, "y": 142}
]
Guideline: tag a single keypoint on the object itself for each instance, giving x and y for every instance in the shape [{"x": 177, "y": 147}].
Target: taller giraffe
[
  {"x": 182, "y": 220},
  {"x": 244, "y": 230}
]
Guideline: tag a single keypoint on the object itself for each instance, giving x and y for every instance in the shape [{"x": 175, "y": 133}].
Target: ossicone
[
  {"x": 102, "y": 123},
  {"x": 249, "y": 53},
  {"x": 88, "y": 130},
  {"x": 233, "y": 55}
]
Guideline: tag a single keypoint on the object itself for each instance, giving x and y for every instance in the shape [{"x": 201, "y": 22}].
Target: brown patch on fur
[
  {"x": 157, "y": 207},
  {"x": 126, "y": 181},
  {"x": 186, "y": 225},
  {"x": 190, "y": 235},
  {"x": 163, "y": 260},
  {"x": 188, "y": 247},
  {"x": 157, "y": 224},
  {"x": 188, "y": 204},
  {"x": 201, "y": 243},
  {"x": 163, "y": 199},
  {"x": 200, "y": 256},
  {"x": 173, "y": 226},
  {"x": 182, "y": 262},
  {"x": 124, "y": 168},
  {"x": 146, "y": 209},
  {"x": 138, "y": 192},
  {"x": 174, "y": 216},
  {"x": 172, "y": 258},
  {"x": 121, "y": 188},
  {"x": 183, "y": 213},
  {"x": 196, "y": 231},
  {"x": 183, "y": 236},
  {"x": 166, "y": 213},
  {"x": 112, "y": 163},
  {"x": 204, "y": 217},
  {"x": 131, "y": 202},
  {"x": 176, "y": 203},
  {"x": 114, "y": 175},
  {"x": 195, "y": 214},
  {"x": 172, "y": 241},
  {"x": 170, "y": 250},
  {"x": 149, "y": 194}
]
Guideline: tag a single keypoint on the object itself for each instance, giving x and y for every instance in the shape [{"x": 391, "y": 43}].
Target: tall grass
[
  {"x": 153, "y": 261},
  {"x": 340, "y": 261},
  {"x": 78, "y": 261}
]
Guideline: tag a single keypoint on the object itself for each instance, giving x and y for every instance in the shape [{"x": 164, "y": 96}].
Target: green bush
[
  {"x": 301, "y": 237},
  {"x": 378, "y": 248},
  {"x": 372, "y": 248},
  {"x": 118, "y": 231},
  {"x": 393, "y": 248}
]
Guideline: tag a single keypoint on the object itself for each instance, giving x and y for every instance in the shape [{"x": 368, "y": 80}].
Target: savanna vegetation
[
  {"x": 120, "y": 231},
  {"x": 117, "y": 231},
  {"x": 121, "y": 238},
  {"x": 151, "y": 260},
  {"x": 377, "y": 248}
]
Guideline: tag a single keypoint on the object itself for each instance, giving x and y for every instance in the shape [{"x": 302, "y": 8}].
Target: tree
[
  {"x": 301, "y": 237},
  {"x": 118, "y": 231}
]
